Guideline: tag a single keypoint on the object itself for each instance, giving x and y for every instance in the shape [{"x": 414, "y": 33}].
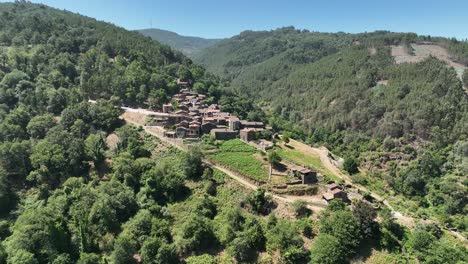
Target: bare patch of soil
[{"x": 422, "y": 51}]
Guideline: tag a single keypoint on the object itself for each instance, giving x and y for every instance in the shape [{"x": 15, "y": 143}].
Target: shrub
[
  {"x": 300, "y": 208},
  {"x": 351, "y": 165}
]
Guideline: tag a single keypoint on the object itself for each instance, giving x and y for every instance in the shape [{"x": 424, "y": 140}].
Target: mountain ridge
[{"x": 189, "y": 45}]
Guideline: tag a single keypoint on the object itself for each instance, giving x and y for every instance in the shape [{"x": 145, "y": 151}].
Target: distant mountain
[{"x": 188, "y": 45}]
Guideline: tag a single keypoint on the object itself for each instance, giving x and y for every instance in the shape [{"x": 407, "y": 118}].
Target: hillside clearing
[{"x": 422, "y": 51}]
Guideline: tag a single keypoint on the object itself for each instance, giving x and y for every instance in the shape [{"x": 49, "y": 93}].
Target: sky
[{"x": 225, "y": 18}]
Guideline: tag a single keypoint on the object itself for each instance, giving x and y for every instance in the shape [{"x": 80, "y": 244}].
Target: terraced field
[{"x": 241, "y": 158}]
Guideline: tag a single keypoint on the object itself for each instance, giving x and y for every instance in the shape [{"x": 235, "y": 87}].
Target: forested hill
[
  {"x": 49, "y": 51},
  {"x": 188, "y": 45},
  {"x": 341, "y": 81}
]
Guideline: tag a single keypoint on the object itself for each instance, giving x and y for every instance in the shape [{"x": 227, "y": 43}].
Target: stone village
[{"x": 189, "y": 117}]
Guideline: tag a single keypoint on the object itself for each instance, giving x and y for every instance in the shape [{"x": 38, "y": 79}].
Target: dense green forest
[
  {"x": 78, "y": 186},
  {"x": 405, "y": 124}
]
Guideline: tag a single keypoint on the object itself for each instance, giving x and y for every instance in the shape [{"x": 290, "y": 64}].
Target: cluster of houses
[{"x": 189, "y": 116}]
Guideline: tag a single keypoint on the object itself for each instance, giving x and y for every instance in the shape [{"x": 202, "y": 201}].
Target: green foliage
[
  {"x": 5, "y": 193},
  {"x": 247, "y": 242},
  {"x": 465, "y": 78},
  {"x": 202, "y": 259},
  {"x": 258, "y": 201},
  {"x": 3, "y": 256},
  {"x": 336, "y": 205},
  {"x": 193, "y": 164},
  {"x": 124, "y": 249},
  {"x": 327, "y": 250},
  {"x": 196, "y": 234},
  {"x": 300, "y": 208},
  {"x": 365, "y": 214},
  {"x": 104, "y": 114},
  {"x": 351, "y": 165},
  {"x": 274, "y": 158},
  {"x": 95, "y": 147},
  {"x": 39, "y": 125},
  {"x": 156, "y": 251},
  {"x": 88, "y": 258},
  {"x": 283, "y": 236},
  {"x": 345, "y": 227}
]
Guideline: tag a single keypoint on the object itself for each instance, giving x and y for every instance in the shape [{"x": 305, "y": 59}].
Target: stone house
[
  {"x": 307, "y": 176},
  {"x": 223, "y": 134}
]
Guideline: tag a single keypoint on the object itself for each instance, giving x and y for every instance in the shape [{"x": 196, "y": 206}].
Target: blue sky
[{"x": 225, "y": 18}]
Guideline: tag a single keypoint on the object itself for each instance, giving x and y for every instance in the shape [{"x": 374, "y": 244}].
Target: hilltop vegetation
[{"x": 188, "y": 45}]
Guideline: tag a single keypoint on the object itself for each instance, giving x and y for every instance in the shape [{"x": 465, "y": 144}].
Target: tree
[
  {"x": 201, "y": 259},
  {"x": 248, "y": 242},
  {"x": 157, "y": 98},
  {"x": 39, "y": 125},
  {"x": 49, "y": 160},
  {"x": 23, "y": 257},
  {"x": 258, "y": 201},
  {"x": 274, "y": 158},
  {"x": 154, "y": 250},
  {"x": 88, "y": 258},
  {"x": 5, "y": 193},
  {"x": 104, "y": 115},
  {"x": 345, "y": 227},
  {"x": 95, "y": 147},
  {"x": 365, "y": 214},
  {"x": 3, "y": 255},
  {"x": 282, "y": 237},
  {"x": 124, "y": 249},
  {"x": 336, "y": 205},
  {"x": 421, "y": 241},
  {"x": 327, "y": 250},
  {"x": 300, "y": 208},
  {"x": 196, "y": 234},
  {"x": 193, "y": 164},
  {"x": 351, "y": 165},
  {"x": 465, "y": 77}
]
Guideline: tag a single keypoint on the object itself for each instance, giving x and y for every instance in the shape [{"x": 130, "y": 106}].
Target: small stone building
[
  {"x": 167, "y": 108},
  {"x": 251, "y": 124},
  {"x": 335, "y": 192},
  {"x": 223, "y": 134},
  {"x": 181, "y": 132},
  {"x": 247, "y": 134},
  {"x": 207, "y": 127},
  {"x": 234, "y": 123},
  {"x": 307, "y": 176}
]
